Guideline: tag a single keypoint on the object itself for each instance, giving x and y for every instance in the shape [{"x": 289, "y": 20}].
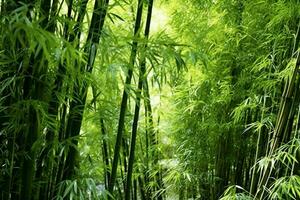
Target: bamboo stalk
[
  {"x": 125, "y": 97},
  {"x": 80, "y": 90}
]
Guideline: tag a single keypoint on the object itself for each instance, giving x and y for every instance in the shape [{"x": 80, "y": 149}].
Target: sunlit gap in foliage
[{"x": 160, "y": 19}]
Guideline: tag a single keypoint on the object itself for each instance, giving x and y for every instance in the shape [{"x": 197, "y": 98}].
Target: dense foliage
[{"x": 142, "y": 99}]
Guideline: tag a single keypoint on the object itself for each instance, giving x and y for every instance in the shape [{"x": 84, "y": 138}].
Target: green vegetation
[{"x": 146, "y": 99}]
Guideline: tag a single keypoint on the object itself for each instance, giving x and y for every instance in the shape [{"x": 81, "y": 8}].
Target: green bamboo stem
[{"x": 125, "y": 98}]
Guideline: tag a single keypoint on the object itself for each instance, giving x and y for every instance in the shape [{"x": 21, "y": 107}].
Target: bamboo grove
[{"x": 148, "y": 99}]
